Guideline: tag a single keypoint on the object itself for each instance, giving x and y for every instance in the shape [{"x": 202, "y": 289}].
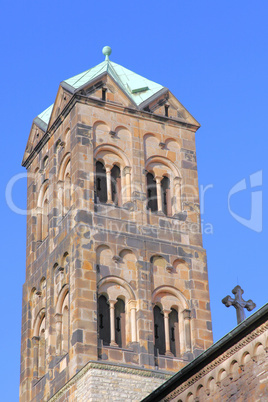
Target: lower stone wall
[{"x": 108, "y": 382}]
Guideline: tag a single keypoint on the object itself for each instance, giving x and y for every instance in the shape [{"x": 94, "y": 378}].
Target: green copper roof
[
  {"x": 45, "y": 115},
  {"x": 138, "y": 88}
]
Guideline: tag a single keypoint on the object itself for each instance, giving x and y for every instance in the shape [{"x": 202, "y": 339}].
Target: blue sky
[{"x": 213, "y": 56}]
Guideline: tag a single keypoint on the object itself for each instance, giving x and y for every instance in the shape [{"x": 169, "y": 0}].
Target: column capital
[
  {"x": 38, "y": 210},
  {"x": 166, "y": 312},
  {"x": 177, "y": 180},
  {"x": 186, "y": 314},
  {"x": 127, "y": 170},
  {"x": 58, "y": 317},
  {"x": 108, "y": 168},
  {"x": 132, "y": 304},
  {"x": 35, "y": 339},
  {"x": 112, "y": 303},
  {"x": 158, "y": 179}
]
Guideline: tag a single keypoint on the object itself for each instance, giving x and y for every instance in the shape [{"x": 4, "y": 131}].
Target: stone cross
[{"x": 239, "y": 303}]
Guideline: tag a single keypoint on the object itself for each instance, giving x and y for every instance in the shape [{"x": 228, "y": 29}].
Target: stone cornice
[{"x": 83, "y": 99}]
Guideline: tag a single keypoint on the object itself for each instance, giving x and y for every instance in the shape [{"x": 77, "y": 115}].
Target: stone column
[
  {"x": 166, "y": 326},
  {"x": 58, "y": 318},
  {"x": 133, "y": 321},
  {"x": 159, "y": 193},
  {"x": 109, "y": 184},
  {"x": 112, "y": 322},
  {"x": 127, "y": 190},
  {"x": 177, "y": 194},
  {"x": 187, "y": 329},
  {"x": 35, "y": 343}
]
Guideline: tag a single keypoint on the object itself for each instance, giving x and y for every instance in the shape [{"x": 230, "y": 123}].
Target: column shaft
[
  {"x": 167, "y": 340},
  {"x": 112, "y": 323},
  {"x": 159, "y": 194}
]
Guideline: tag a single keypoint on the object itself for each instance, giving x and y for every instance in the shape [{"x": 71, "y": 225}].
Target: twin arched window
[
  {"x": 166, "y": 332},
  {"x": 116, "y": 312},
  {"x": 113, "y": 183},
  {"x": 159, "y": 194},
  {"x": 108, "y": 184},
  {"x": 111, "y": 322},
  {"x": 163, "y": 186},
  {"x": 172, "y": 332}
]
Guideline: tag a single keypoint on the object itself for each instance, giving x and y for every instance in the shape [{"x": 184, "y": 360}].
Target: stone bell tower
[{"x": 116, "y": 294}]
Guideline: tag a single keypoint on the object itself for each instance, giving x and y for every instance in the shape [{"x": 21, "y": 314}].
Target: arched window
[
  {"x": 116, "y": 312},
  {"x": 159, "y": 331},
  {"x": 101, "y": 182},
  {"x": 120, "y": 324},
  {"x": 113, "y": 175},
  {"x": 173, "y": 320},
  {"x": 116, "y": 185},
  {"x": 151, "y": 192},
  {"x": 163, "y": 186},
  {"x": 104, "y": 320},
  {"x": 166, "y": 196}
]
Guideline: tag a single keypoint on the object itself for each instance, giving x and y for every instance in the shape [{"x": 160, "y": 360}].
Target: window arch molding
[
  {"x": 168, "y": 298},
  {"x": 157, "y": 295},
  {"x": 38, "y": 321},
  {"x": 163, "y": 161},
  {"x": 101, "y": 150},
  {"x": 42, "y": 190},
  {"x": 115, "y": 289},
  {"x": 61, "y": 317},
  {"x": 111, "y": 156},
  {"x": 64, "y": 162},
  {"x": 64, "y": 184},
  {"x": 104, "y": 284},
  {"x": 61, "y": 297}
]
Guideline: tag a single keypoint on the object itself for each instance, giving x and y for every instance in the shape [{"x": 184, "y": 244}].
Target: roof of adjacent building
[
  {"x": 218, "y": 348},
  {"x": 138, "y": 88}
]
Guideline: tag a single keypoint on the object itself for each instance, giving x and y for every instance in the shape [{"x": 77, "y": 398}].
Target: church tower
[{"x": 116, "y": 294}]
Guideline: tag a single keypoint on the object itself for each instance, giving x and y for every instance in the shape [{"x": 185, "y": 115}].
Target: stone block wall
[{"x": 103, "y": 382}]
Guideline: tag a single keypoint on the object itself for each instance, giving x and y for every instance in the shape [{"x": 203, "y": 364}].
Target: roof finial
[
  {"x": 239, "y": 303},
  {"x": 107, "y": 51}
]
